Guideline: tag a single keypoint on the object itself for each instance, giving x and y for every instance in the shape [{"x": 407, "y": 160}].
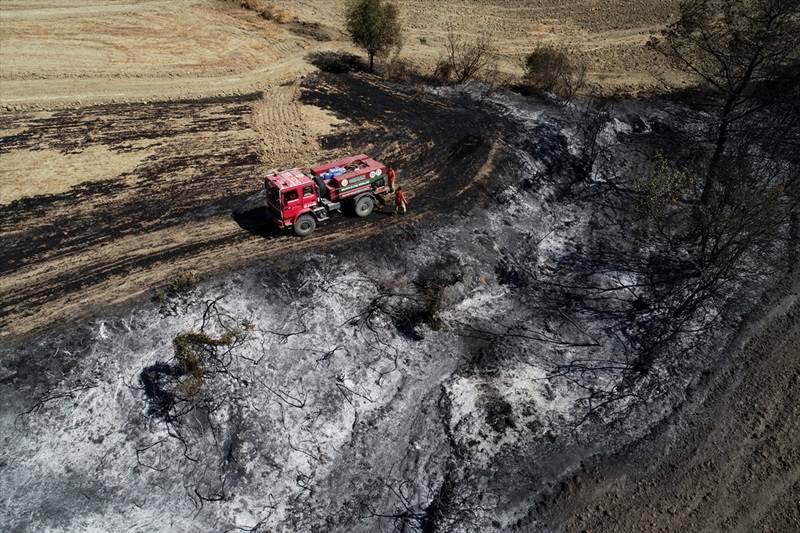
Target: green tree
[{"x": 374, "y": 25}]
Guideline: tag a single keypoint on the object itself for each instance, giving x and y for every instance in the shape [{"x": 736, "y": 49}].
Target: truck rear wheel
[
  {"x": 304, "y": 225},
  {"x": 364, "y": 206}
]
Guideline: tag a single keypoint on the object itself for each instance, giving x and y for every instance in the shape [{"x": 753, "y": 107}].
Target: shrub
[
  {"x": 189, "y": 348},
  {"x": 402, "y": 70},
  {"x": 443, "y": 71},
  {"x": 551, "y": 69},
  {"x": 465, "y": 60},
  {"x": 662, "y": 188},
  {"x": 336, "y": 62},
  {"x": 177, "y": 284}
]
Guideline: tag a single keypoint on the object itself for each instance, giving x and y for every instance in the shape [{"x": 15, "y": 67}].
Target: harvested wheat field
[{"x": 521, "y": 351}]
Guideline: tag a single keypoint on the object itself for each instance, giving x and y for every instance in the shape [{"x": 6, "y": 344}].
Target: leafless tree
[
  {"x": 740, "y": 50},
  {"x": 464, "y": 59}
]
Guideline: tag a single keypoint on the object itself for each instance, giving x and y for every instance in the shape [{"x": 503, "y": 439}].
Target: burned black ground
[{"x": 205, "y": 166}]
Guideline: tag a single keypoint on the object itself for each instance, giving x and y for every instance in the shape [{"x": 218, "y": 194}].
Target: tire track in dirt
[{"x": 279, "y": 121}]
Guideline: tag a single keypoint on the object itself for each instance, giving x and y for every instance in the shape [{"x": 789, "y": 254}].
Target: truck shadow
[{"x": 256, "y": 222}]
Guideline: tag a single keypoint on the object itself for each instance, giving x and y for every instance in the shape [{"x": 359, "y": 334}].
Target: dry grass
[
  {"x": 177, "y": 284},
  {"x": 189, "y": 347}
]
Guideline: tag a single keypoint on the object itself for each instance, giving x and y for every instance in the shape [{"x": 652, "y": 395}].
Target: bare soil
[{"x": 728, "y": 460}]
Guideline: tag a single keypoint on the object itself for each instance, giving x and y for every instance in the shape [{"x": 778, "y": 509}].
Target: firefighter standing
[
  {"x": 400, "y": 201},
  {"x": 392, "y": 176}
]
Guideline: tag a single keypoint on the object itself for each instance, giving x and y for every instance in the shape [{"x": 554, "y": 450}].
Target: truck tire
[
  {"x": 305, "y": 225},
  {"x": 364, "y": 206}
]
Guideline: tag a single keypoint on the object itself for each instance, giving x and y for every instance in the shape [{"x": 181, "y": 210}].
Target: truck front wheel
[
  {"x": 364, "y": 206},
  {"x": 304, "y": 225}
]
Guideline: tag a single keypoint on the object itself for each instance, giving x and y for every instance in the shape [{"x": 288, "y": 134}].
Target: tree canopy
[{"x": 374, "y": 25}]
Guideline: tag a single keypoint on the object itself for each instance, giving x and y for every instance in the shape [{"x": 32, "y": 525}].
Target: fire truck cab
[{"x": 301, "y": 199}]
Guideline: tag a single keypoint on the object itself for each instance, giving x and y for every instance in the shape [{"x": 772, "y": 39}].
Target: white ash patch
[
  {"x": 537, "y": 409},
  {"x": 612, "y": 130}
]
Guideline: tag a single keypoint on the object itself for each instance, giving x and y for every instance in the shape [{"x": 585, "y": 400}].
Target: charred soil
[{"x": 186, "y": 201}]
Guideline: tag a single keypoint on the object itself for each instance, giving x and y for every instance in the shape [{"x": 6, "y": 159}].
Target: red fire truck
[{"x": 301, "y": 199}]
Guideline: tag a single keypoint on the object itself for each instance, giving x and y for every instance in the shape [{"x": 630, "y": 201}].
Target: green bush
[{"x": 662, "y": 188}]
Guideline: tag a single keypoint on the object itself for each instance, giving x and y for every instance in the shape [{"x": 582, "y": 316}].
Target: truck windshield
[{"x": 274, "y": 196}]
